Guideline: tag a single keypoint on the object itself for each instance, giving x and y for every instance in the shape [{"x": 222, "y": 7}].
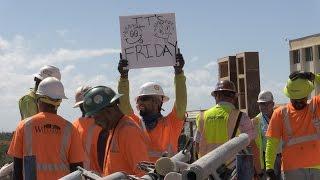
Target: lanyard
[{"x": 265, "y": 118}]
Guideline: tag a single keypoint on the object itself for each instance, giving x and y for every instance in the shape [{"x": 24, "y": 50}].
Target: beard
[
  {"x": 142, "y": 112},
  {"x": 299, "y": 105}
]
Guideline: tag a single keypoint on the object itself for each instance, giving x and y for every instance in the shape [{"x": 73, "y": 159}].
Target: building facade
[{"x": 305, "y": 55}]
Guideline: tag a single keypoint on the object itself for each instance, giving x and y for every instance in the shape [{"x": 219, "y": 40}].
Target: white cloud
[
  {"x": 63, "y": 55},
  {"x": 18, "y": 64},
  {"x": 211, "y": 65},
  {"x": 276, "y": 88},
  {"x": 194, "y": 59},
  {"x": 71, "y": 41},
  {"x": 62, "y": 32},
  {"x": 68, "y": 69},
  {"x": 3, "y": 44}
]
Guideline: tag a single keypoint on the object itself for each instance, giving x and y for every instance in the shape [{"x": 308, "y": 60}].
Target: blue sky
[{"x": 82, "y": 38}]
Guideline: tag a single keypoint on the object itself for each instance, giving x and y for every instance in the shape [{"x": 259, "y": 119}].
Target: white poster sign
[{"x": 149, "y": 40}]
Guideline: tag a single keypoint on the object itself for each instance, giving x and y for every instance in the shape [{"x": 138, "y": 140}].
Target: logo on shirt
[{"x": 47, "y": 129}]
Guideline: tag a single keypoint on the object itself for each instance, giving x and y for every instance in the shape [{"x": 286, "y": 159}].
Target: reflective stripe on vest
[
  {"x": 63, "y": 151},
  {"x": 64, "y": 143},
  {"x": 114, "y": 142},
  {"x": 86, "y": 163},
  {"x": 157, "y": 154},
  {"x": 28, "y": 137},
  {"x": 297, "y": 140},
  {"x": 52, "y": 167}
]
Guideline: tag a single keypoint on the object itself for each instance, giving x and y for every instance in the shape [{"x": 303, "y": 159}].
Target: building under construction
[{"x": 243, "y": 70}]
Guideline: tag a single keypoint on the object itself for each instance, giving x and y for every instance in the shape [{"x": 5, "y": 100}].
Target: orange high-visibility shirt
[
  {"x": 126, "y": 147},
  {"x": 49, "y": 142},
  {"x": 164, "y": 137},
  {"x": 302, "y": 155},
  {"x": 89, "y": 134}
]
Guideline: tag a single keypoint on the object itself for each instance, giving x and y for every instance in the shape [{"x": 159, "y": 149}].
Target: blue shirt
[{"x": 264, "y": 127}]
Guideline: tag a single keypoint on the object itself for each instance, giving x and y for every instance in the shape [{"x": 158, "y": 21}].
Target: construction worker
[
  {"x": 297, "y": 125},
  {"x": 27, "y": 103},
  {"x": 126, "y": 145},
  {"x": 93, "y": 138},
  {"x": 163, "y": 131},
  {"x": 46, "y": 146},
  {"x": 220, "y": 123},
  {"x": 261, "y": 122}
]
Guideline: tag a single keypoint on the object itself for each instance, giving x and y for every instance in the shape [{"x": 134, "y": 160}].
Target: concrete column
[
  {"x": 302, "y": 59},
  {"x": 291, "y": 61},
  {"x": 316, "y": 64},
  {"x": 316, "y": 58}
]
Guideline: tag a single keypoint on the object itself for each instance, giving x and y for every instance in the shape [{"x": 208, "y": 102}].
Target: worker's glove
[
  {"x": 309, "y": 75},
  {"x": 302, "y": 75},
  {"x": 123, "y": 67},
  {"x": 296, "y": 74},
  {"x": 270, "y": 174},
  {"x": 259, "y": 176},
  {"x": 178, "y": 68}
]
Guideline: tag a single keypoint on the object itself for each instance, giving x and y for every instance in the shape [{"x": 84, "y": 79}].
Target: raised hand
[
  {"x": 303, "y": 75},
  {"x": 180, "y": 63},
  {"x": 123, "y": 67},
  {"x": 310, "y": 76}
]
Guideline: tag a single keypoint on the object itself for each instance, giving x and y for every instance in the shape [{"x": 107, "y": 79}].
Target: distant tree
[{"x": 5, "y": 138}]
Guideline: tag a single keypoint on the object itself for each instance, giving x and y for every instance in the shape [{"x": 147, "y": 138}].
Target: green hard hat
[
  {"x": 298, "y": 88},
  {"x": 95, "y": 99}
]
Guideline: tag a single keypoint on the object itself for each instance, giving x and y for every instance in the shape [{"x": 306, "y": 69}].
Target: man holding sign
[
  {"x": 151, "y": 41},
  {"x": 163, "y": 131}
]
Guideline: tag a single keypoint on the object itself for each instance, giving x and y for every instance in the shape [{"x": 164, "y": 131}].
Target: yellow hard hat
[{"x": 298, "y": 88}]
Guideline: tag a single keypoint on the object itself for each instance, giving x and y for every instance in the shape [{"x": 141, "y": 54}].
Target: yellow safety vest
[
  {"x": 216, "y": 126},
  {"x": 256, "y": 122},
  {"x": 28, "y": 105}
]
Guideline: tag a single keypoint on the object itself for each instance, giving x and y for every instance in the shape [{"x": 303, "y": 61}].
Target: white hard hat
[
  {"x": 52, "y": 88},
  {"x": 265, "y": 96},
  {"x": 80, "y": 95},
  {"x": 151, "y": 88},
  {"x": 48, "y": 71}
]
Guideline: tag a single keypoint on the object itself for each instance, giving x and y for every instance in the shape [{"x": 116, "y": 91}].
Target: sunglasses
[
  {"x": 145, "y": 98},
  {"x": 265, "y": 103}
]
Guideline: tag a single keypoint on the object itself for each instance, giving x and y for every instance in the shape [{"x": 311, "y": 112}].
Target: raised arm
[
  {"x": 180, "y": 87},
  {"x": 123, "y": 86}
]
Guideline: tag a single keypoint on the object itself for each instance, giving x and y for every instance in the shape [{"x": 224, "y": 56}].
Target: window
[
  {"x": 308, "y": 53},
  {"x": 240, "y": 66},
  {"x": 224, "y": 69},
  {"x": 242, "y": 94},
  {"x": 296, "y": 56}
]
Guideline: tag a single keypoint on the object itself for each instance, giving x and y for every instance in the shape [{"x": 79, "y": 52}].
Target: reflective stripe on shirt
[
  {"x": 86, "y": 163},
  {"x": 64, "y": 143},
  {"x": 64, "y": 166},
  {"x": 52, "y": 167},
  {"x": 297, "y": 140},
  {"x": 114, "y": 142},
  {"x": 28, "y": 137}
]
